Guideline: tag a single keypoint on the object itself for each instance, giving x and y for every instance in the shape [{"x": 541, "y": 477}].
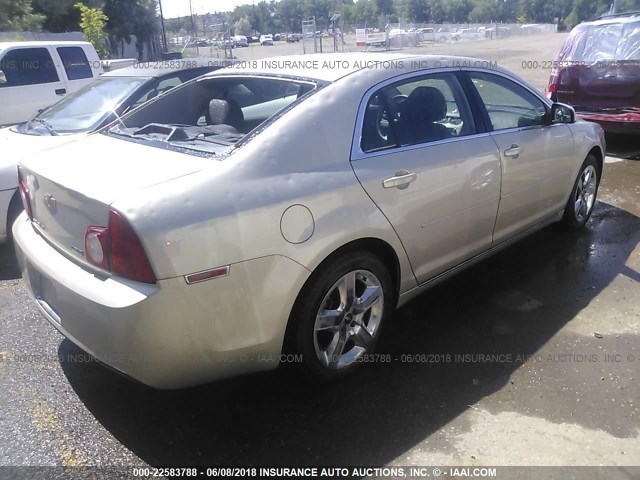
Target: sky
[{"x": 180, "y": 8}]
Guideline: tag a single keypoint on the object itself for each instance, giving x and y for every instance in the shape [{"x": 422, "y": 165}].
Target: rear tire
[
  {"x": 337, "y": 318},
  {"x": 583, "y": 195}
]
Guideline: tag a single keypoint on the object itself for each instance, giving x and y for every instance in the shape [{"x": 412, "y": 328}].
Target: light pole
[
  {"x": 193, "y": 23},
  {"x": 164, "y": 33}
]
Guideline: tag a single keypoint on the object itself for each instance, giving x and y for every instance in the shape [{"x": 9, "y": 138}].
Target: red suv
[{"x": 597, "y": 71}]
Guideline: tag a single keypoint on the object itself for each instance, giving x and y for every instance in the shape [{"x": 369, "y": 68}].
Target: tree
[
  {"x": 92, "y": 22},
  {"x": 483, "y": 11},
  {"x": 627, "y": 6},
  {"x": 131, "y": 17},
  {"x": 60, "y": 15},
  {"x": 416, "y": 11},
  {"x": 18, "y": 15},
  {"x": 177, "y": 25},
  {"x": 384, "y": 7},
  {"x": 585, "y": 10},
  {"x": 145, "y": 25},
  {"x": 242, "y": 27}
]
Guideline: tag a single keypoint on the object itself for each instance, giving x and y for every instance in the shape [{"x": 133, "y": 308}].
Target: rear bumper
[
  {"x": 622, "y": 123},
  {"x": 168, "y": 335}
]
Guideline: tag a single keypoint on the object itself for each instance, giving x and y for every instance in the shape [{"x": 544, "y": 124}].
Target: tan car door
[
  {"x": 537, "y": 157},
  {"x": 420, "y": 158}
]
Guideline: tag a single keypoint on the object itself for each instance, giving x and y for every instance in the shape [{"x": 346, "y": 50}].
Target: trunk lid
[{"x": 72, "y": 186}]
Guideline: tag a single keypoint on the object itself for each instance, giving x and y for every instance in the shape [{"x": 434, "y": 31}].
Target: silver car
[{"x": 251, "y": 218}]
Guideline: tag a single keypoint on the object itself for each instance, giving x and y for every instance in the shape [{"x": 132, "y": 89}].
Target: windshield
[
  {"x": 86, "y": 109},
  {"x": 610, "y": 41},
  {"x": 210, "y": 113}
]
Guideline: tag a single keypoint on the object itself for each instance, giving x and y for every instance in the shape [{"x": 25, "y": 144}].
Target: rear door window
[
  {"x": 28, "y": 66},
  {"x": 75, "y": 63},
  {"x": 422, "y": 109}
]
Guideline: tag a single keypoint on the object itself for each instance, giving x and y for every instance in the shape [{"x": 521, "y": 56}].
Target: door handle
[
  {"x": 514, "y": 151},
  {"x": 401, "y": 180},
  {"x": 61, "y": 91}
]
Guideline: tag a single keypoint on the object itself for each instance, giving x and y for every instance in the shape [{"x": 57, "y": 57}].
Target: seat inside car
[
  {"x": 225, "y": 112},
  {"x": 374, "y": 134},
  {"x": 418, "y": 116}
]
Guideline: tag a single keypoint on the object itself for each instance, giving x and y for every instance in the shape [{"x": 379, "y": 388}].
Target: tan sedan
[{"x": 290, "y": 208}]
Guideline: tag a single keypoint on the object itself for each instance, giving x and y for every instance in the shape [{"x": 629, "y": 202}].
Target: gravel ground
[{"x": 530, "y": 56}]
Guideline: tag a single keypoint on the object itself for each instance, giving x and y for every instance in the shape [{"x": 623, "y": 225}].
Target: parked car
[
  {"x": 87, "y": 110},
  {"x": 266, "y": 40},
  {"x": 293, "y": 37},
  {"x": 33, "y": 75},
  {"x": 227, "y": 43},
  {"x": 402, "y": 38},
  {"x": 465, "y": 34},
  {"x": 246, "y": 215},
  {"x": 241, "y": 41},
  {"x": 532, "y": 28},
  {"x": 599, "y": 74},
  {"x": 497, "y": 31},
  {"x": 430, "y": 35}
]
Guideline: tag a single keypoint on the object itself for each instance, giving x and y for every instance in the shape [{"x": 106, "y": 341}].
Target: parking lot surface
[{"x": 529, "y": 358}]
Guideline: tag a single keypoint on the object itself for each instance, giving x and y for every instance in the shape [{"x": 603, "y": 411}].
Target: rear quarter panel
[{"x": 233, "y": 212}]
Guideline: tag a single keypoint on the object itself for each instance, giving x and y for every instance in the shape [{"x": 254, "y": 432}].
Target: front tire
[
  {"x": 339, "y": 314},
  {"x": 583, "y": 195}
]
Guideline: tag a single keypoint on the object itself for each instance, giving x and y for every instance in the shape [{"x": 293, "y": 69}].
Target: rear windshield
[
  {"x": 594, "y": 43},
  {"x": 209, "y": 114}
]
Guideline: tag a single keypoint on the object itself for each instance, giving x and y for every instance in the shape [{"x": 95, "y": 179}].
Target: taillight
[
  {"x": 96, "y": 246},
  {"x": 128, "y": 258},
  {"x": 118, "y": 249},
  {"x": 552, "y": 89},
  {"x": 25, "y": 195}
]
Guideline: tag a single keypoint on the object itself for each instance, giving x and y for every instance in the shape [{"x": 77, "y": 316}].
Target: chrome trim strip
[{"x": 47, "y": 308}]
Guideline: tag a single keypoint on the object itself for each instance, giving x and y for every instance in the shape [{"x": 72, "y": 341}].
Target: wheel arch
[
  {"x": 376, "y": 246},
  {"x": 596, "y": 151}
]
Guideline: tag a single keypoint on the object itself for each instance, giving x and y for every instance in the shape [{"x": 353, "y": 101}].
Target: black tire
[
  {"x": 573, "y": 219},
  {"x": 302, "y": 336},
  {"x": 15, "y": 209}
]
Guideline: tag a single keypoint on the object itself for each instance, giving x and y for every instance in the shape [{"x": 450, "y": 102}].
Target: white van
[{"x": 34, "y": 75}]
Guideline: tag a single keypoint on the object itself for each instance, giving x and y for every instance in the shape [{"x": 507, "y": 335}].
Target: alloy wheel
[
  {"x": 585, "y": 193},
  {"x": 348, "y": 319}
]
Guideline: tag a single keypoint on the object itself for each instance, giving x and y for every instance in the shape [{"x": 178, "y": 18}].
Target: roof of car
[
  {"x": 319, "y": 66},
  {"x": 163, "y": 67},
  {"x": 331, "y": 67},
  {"x": 42, "y": 43}
]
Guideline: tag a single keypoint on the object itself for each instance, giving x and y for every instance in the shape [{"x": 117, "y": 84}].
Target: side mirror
[
  {"x": 3, "y": 78},
  {"x": 561, "y": 113}
]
